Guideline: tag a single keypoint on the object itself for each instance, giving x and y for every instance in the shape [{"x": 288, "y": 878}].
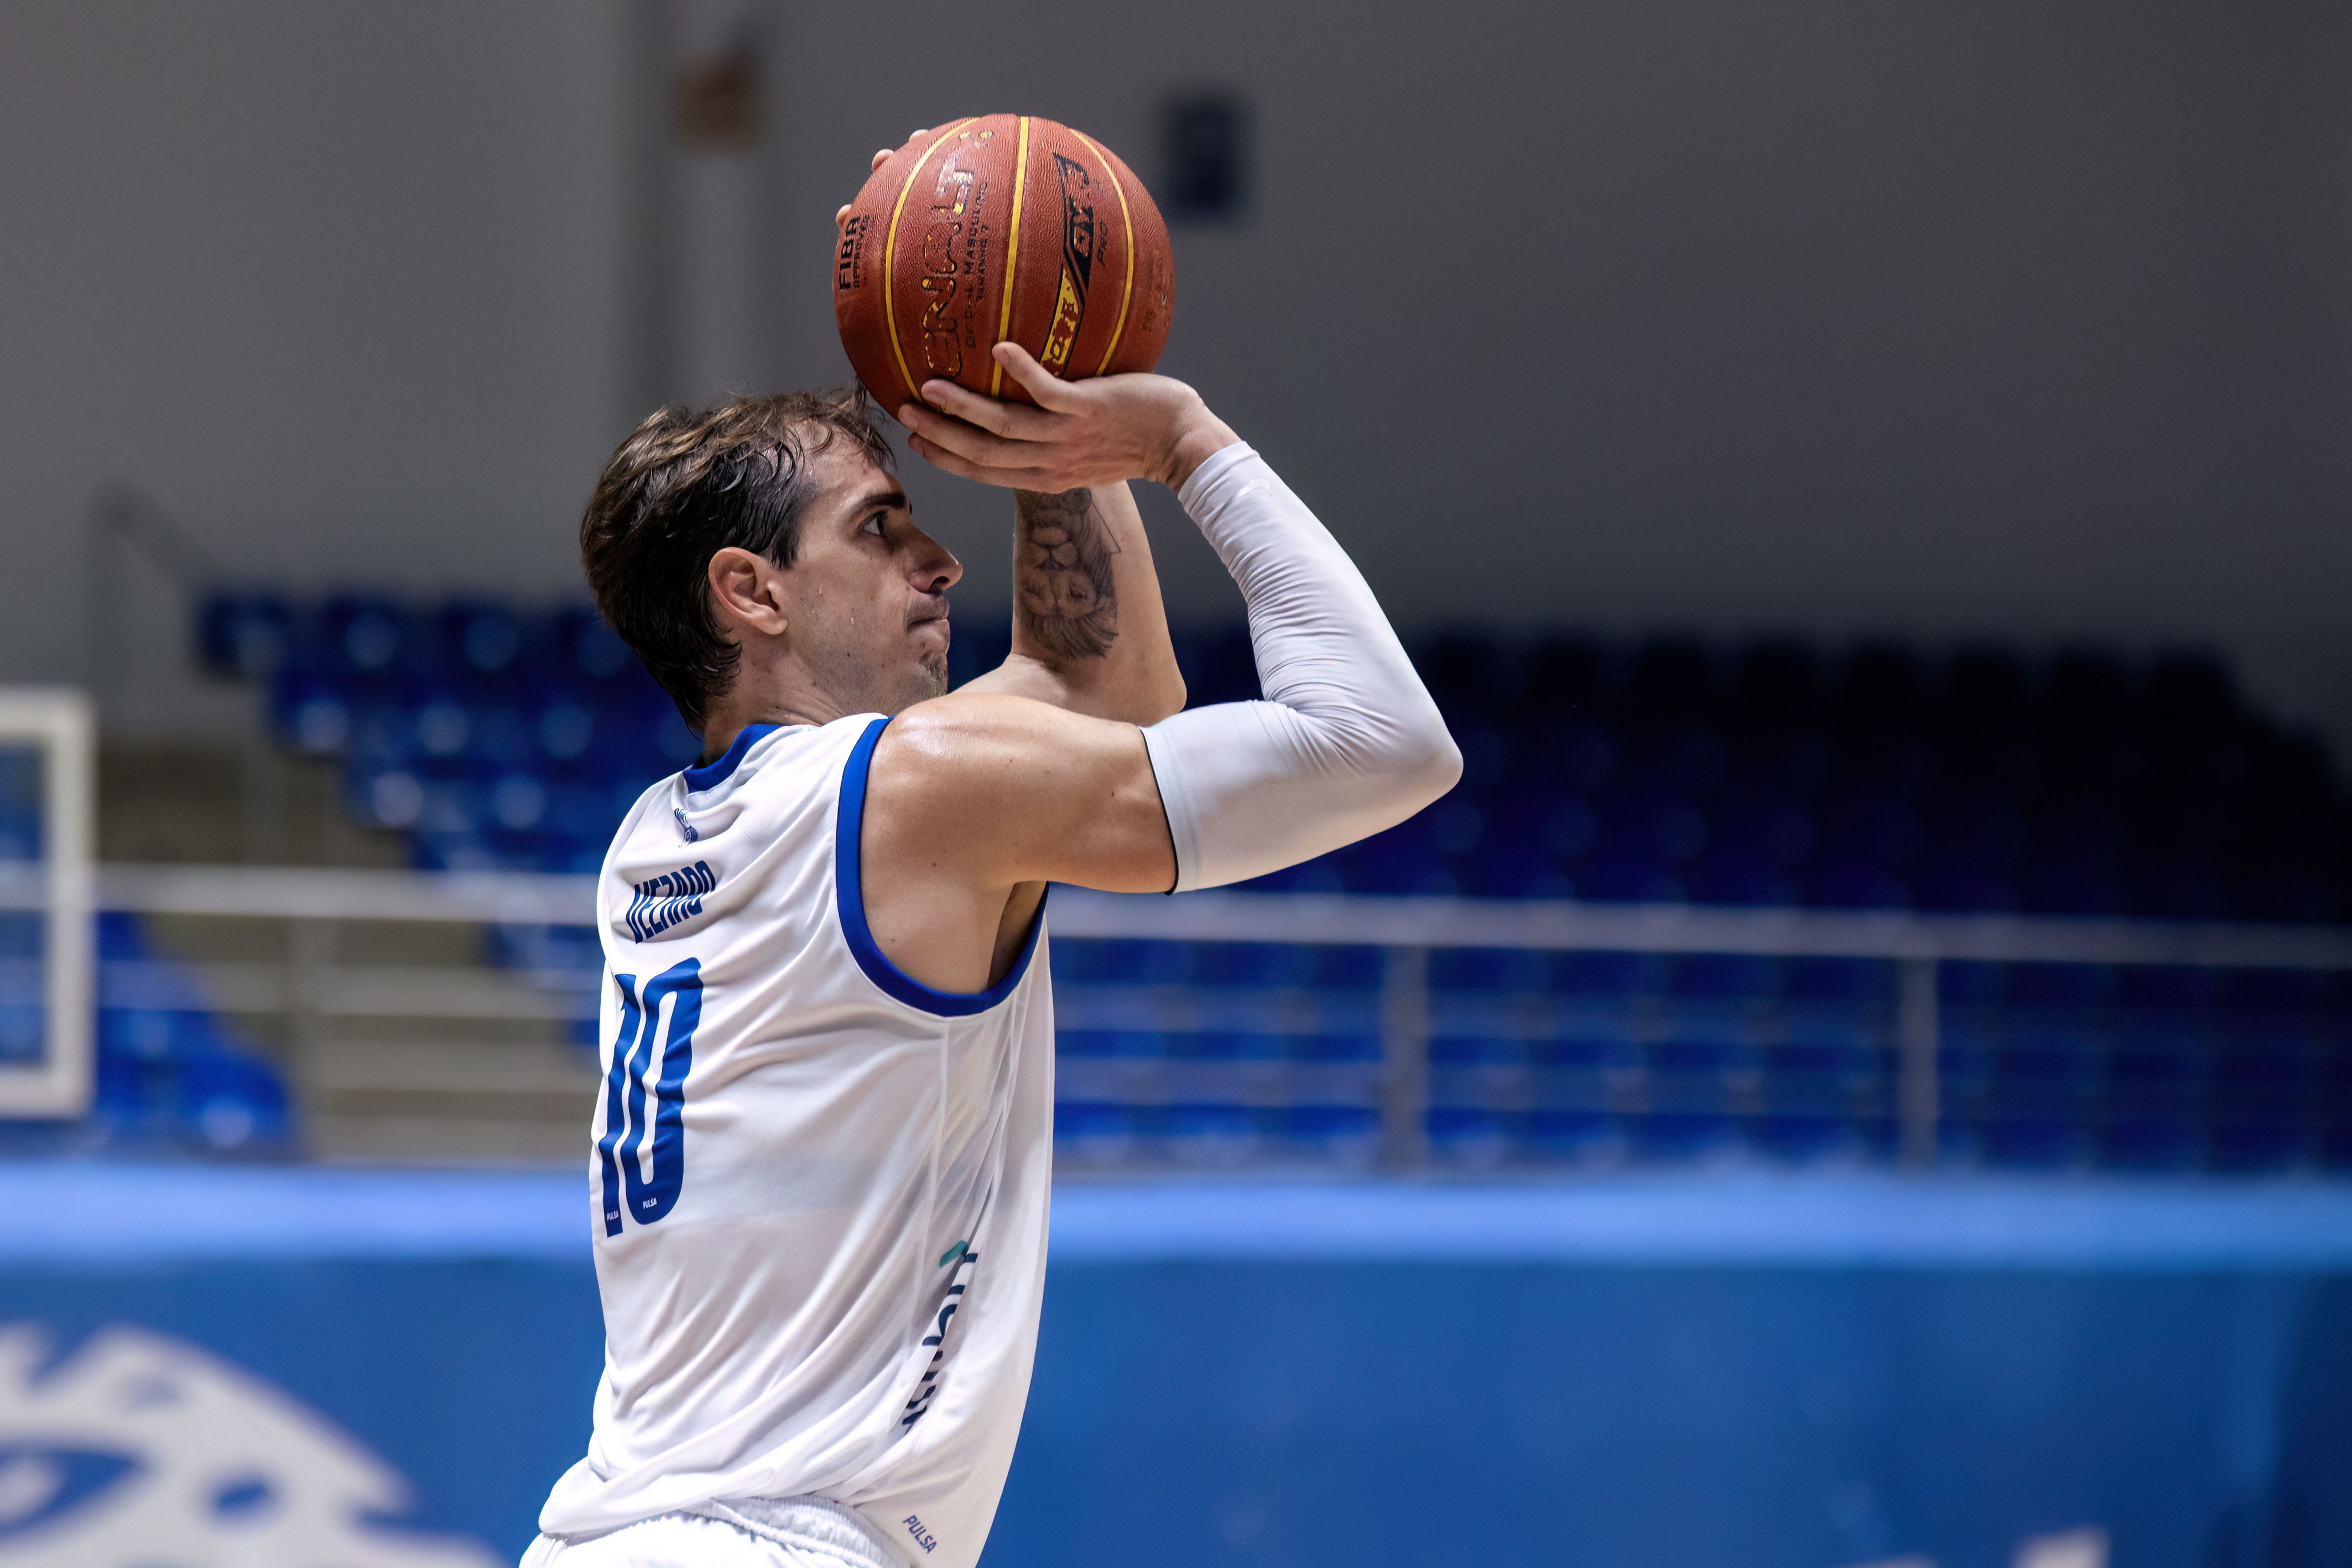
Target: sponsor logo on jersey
[
  {"x": 965, "y": 1261},
  {"x": 668, "y": 899},
  {"x": 923, "y": 1537}
]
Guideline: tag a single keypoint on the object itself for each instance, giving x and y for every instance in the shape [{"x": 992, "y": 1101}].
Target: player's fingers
[
  {"x": 881, "y": 156},
  {"x": 842, "y": 216},
  {"x": 950, "y": 461},
  {"x": 1002, "y": 418},
  {"x": 968, "y": 441},
  {"x": 1050, "y": 391},
  {"x": 940, "y": 457}
]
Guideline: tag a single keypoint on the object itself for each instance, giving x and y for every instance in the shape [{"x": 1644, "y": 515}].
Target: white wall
[
  {"x": 339, "y": 285},
  {"x": 2021, "y": 318},
  {"x": 2025, "y": 319}
]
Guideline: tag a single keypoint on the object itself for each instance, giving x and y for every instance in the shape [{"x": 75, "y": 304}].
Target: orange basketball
[{"x": 1000, "y": 228}]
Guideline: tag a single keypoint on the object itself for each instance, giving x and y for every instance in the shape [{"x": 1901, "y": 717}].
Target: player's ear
[{"x": 747, "y": 594}]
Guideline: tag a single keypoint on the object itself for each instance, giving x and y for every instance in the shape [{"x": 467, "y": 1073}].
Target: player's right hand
[{"x": 1082, "y": 434}]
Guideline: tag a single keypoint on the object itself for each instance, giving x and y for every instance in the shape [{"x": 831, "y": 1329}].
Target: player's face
[{"x": 870, "y": 588}]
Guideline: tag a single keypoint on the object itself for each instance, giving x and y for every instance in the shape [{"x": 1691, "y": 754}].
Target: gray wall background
[{"x": 2023, "y": 319}]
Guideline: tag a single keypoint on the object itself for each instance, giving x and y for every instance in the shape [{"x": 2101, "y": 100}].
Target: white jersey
[{"x": 821, "y": 1186}]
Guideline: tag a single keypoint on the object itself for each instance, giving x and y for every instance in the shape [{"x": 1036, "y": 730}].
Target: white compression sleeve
[{"x": 1346, "y": 741}]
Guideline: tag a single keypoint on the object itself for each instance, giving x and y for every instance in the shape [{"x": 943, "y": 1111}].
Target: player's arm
[
  {"x": 974, "y": 806},
  {"x": 1089, "y": 633},
  {"x": 975, "y": 802}
]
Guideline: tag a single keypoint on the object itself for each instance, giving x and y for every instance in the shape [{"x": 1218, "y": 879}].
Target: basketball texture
[{"x": 1003, "y": 228}]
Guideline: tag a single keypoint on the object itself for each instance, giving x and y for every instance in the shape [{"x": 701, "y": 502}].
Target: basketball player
[{"x": 825, "y": 1135}]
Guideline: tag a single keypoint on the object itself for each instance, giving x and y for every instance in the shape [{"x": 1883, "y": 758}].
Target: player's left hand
[
  {"x": 881, "y": 156},
  {"x": 1082, "y": 434}
]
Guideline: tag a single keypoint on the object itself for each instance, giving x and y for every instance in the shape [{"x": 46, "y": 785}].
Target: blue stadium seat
[
  {"x": 1334, "y": 1047},
  {"x": 1094, "y": 1131},
  {"x": 1608, "y": 973},
  {"x": 1209, "y": 1134},
  {"x": 2158, "y": 1084},
  {"x": 1122, "y": 961},
  {"x": 1736, "y": 977},
  {"x": 1344, "y": 1135},
  {"x": 1226, "y": 1045},
  {"x": 1472, "y": 1137},
  {"x": 1826, "y": 1090},
  {"x": 1252, "y": 964},
  {"x": 1400, "y": 860},
  {"x": 244, "y": 635},
  {"x": 1139, "y": 1044},
  {"x": 1486, "y": 969},
  {"x": 1475, "y": 1050},
  {"x": 1840, "y": 979}
]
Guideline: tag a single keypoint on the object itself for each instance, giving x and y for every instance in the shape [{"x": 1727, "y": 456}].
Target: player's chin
[{"x": 930, "y": 639}]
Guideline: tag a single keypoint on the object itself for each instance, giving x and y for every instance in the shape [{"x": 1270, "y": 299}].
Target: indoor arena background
[{"x": 1860, "y": 1072}]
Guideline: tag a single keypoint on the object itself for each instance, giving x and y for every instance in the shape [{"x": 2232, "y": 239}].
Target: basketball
[{"x": 1000, "y": 228}]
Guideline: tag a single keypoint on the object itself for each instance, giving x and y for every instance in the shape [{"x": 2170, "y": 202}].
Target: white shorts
[{"x": 786, "y": 1532}]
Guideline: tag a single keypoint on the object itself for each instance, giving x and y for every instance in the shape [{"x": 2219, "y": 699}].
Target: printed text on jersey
[{"x": 670, "y": 899}]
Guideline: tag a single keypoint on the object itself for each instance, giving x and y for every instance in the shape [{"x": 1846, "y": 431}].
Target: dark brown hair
[{"x": 687, "y": 483}]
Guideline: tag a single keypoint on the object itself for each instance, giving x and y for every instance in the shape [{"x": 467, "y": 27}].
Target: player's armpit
[{"x": 974, "y": 797}]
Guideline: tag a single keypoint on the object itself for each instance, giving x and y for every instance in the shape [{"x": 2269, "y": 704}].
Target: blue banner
[{"x": 256, "y": 1366}]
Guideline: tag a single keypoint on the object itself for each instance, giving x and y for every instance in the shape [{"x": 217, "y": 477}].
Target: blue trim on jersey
[
  {"x": 850, "y": 897},
  {"x": 714, "y": 773}
]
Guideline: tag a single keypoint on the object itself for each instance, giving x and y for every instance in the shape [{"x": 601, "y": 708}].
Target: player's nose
[{"x": 933, "y": 566}]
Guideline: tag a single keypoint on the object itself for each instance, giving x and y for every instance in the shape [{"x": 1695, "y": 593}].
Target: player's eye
[{"x": 873, "y": 525}]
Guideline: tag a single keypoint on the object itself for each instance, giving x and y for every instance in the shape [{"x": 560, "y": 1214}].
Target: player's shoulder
[
  {"x": 992, "y": 742},
  {"x": 968, "y": 725},
  {"x": 989, "y": 761}
]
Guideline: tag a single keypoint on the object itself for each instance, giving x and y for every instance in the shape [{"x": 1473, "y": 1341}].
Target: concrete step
[
  {"x": 436, "y": 1140},
  {"x": 362, "y": 990},
  {"x": 451, "y": 1067}
]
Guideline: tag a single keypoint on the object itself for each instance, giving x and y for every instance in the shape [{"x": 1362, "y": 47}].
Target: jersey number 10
[{"x": 640, "y": 1183}]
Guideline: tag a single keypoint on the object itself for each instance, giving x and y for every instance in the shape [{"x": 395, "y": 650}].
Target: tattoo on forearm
[{"x": 1062, "y": 573}]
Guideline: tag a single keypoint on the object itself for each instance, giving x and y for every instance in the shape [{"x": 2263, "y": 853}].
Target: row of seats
[
  {"x": 1774, "y": 774},
  {"x": 170, "y": 1078},
  {"x": 1469, "y": 1138},
  {"x": 1601, "y": 1058},
  {"x": 492, "y": 736},
  {"x": 1212, "y": 965},
  {"x": 1880, "y": 779}
]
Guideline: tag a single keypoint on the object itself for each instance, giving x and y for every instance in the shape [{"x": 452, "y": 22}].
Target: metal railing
[{"x": 1404, "y": 930}]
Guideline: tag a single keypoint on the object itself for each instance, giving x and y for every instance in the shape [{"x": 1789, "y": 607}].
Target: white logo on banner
[{"x": 140, "y": 1449}]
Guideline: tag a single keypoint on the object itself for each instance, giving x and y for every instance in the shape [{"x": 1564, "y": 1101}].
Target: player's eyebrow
[{"x": 894, "y": 499}]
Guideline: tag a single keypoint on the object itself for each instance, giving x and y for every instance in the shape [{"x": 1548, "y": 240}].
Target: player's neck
[
  {"x": 722, "y": 722},
  {"x": 781, "y": 692}
]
